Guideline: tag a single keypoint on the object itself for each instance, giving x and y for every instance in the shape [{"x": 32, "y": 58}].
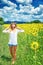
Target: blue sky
[{"x": 21, "y": 10}]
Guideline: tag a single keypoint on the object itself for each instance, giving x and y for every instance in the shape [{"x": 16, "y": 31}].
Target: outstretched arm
[{"x": 6, "y": 30}]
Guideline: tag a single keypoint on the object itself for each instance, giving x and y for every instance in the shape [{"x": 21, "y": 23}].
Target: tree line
[{"x": 35, "y": 21}]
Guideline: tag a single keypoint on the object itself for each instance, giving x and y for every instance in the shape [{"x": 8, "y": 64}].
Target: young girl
[{"x": 13, "y": 31}]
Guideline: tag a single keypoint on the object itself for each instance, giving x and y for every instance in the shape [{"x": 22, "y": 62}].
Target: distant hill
[
  {"x": 35, "y": 21},
  {"x": 19, "y": 22},
  {"x": 8, "y": 22}
]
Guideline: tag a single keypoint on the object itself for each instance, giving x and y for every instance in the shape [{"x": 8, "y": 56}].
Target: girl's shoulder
[{"x": 15, "y": 30}]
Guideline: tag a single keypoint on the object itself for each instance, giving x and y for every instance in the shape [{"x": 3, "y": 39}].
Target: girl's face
[{"x": 13, "y": 26}]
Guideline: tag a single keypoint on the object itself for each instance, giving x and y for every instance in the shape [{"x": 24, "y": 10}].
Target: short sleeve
[{"x": 6, "y": 31}]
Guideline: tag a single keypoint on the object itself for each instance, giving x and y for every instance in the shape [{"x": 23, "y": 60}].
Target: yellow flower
[
  {"x": 29, "y": 28},
  {"x": 34, "y": 45}
]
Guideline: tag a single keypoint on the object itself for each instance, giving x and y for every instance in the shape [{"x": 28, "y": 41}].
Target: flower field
[
  {"x": 30, "y": 45},
  {"x": 29, "y": 28}
]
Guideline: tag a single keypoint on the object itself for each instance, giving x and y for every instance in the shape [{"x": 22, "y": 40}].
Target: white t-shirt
[{"x": 13, "y": 35}]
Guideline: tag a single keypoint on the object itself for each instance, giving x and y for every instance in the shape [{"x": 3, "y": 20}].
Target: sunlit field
[{"x": 30, "y": 45}]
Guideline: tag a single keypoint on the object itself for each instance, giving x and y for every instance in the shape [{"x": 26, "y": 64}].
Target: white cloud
[
  {"x": 5, "y": 1},
  {"x": 19, "y": 17},
  {"x": 38, "y": 16},
  {"x": 26, "y": 9},
  {"x": 9, "y": 3},
  {"x": 13, "y": 15},
  {"x": 26, "y": 12},
  {"x": 37, "y": 10},
  {"x": 41, "y": 6},
  {"x": 24, "y": 1},
  {"x": 21, "y": 1}
]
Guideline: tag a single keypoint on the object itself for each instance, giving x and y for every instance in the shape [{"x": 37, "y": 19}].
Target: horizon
[{"x": 38, "y": 21}]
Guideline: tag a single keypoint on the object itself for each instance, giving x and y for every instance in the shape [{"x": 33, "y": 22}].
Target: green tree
[
  {"x": 36, "y": 21},
  {"x": 1, "y": 21}
]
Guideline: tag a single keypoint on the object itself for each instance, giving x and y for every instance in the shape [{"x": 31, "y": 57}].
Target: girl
[{"x": 13, "y": 31}]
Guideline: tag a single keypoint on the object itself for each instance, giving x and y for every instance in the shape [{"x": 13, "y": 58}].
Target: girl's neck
[{"x": 13, "y": 29}]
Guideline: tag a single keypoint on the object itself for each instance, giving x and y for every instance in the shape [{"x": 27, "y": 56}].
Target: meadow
[{"x": 30, "y": 45}]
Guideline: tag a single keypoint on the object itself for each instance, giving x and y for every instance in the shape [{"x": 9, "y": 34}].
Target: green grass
[{"x": 25, "y": 55}]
